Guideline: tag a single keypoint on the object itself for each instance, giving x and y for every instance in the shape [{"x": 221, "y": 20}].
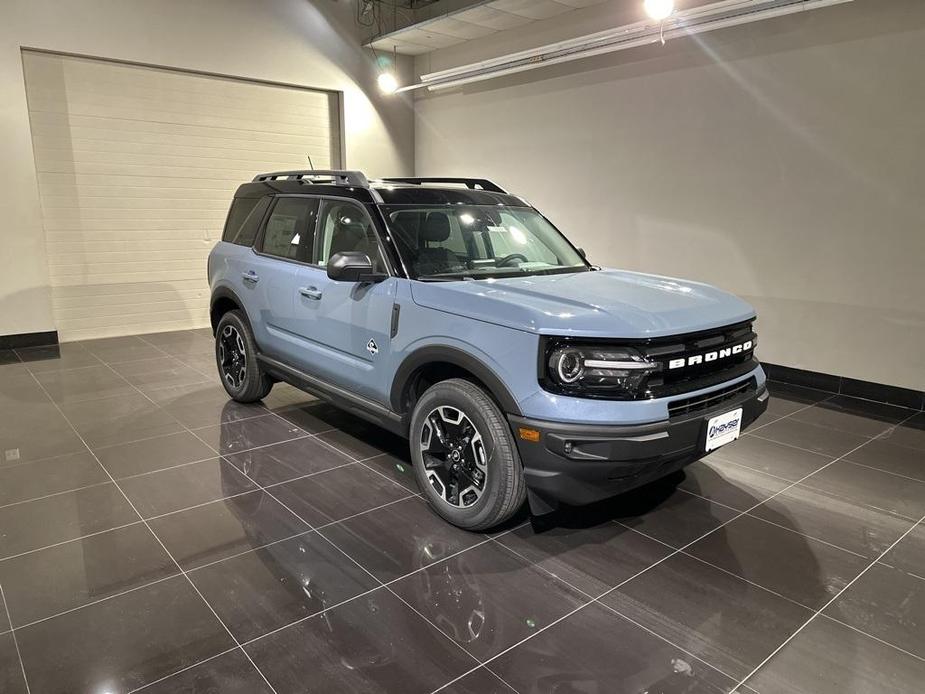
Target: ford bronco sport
[{"x": 456, "y": 315}]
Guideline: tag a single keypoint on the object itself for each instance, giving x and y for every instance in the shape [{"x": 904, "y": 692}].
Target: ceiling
[{"x": 475, "y": 21}]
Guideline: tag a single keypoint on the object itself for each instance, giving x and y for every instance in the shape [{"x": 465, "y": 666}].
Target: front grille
[
  {"x": 709, "y": 400},
  {"x": 713, "y": 348},
  {"x": 690, "y": 362}
]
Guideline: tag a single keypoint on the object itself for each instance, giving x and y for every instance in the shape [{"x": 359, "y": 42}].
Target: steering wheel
[{"x": 508, "y": 258}]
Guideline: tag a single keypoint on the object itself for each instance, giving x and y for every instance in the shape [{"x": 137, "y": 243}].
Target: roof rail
[
  {"x": 471, "y": 183},
  {"x": 356, "y": 179}
]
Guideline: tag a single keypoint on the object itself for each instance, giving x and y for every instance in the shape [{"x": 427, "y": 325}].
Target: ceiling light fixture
[
  {"x": 697, "y": 20},
  {"x": 387, "y": 83},
  {"x": 659, "y": 9}
]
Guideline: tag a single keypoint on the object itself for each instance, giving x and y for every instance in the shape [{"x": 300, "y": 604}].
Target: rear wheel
[
  {"x": 236, "y": 356},
  {"x": 464, "y": 455}
]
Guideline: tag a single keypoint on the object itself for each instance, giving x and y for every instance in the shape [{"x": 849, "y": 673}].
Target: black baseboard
[
  {"x": 29, "y": 340},
  {"x": 892, "y": 395}
]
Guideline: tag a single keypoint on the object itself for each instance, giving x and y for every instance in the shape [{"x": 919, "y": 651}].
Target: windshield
[{"x": 462, "y": 242}]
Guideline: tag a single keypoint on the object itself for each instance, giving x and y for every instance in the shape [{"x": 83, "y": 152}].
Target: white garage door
[{"x": 136, "y": 169}]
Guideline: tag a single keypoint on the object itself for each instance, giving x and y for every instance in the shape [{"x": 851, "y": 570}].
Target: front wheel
[
  {"x": 236, "y": 356},
  {"x": 465, "y": 459}
]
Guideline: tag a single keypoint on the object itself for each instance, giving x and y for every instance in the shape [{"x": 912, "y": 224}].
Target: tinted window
[
  {"x": 251, "y": 225},
  {"x": 240, "y": 209},
  {"x": 290, "y": 230},
  {"x": 345, "y": 226}
]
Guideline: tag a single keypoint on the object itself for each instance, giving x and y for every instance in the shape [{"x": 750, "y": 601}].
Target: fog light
[{"x": 568, "y": 447}]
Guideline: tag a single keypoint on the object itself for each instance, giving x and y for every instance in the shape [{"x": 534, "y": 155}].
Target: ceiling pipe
[{"x": 699, "y": 20}]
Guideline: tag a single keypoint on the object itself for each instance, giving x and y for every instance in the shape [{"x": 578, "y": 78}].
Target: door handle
[
  {"x": 250, "y": 276},
  {"x": 310, "y": 293}
]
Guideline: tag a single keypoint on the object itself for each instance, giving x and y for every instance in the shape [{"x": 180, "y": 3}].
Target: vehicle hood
[{"x": 606, "y": 303}]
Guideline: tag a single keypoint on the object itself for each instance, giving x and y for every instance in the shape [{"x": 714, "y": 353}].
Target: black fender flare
[
  {"x": 223, "y": 293},
  {"x": 456, "y": 357}
]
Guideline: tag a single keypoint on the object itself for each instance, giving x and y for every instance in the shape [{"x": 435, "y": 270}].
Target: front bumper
[{"x": 579, "y": 464}]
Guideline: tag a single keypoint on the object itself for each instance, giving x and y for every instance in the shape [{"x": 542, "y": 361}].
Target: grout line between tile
[
  {"x": 639, "y": 573},
  {"x": 886, "y": 472},
  {"x": 758, "y": 518},
  {"x": 787, "y": 416},
  {"x": 156, "y": 537},
  {"x": 53, "y": 494},
  {"x": 272, "y": 496},
  {"x": 623, "y": 616},
  {"x": 188, "y": 667},
  {"x": 12, "y": 633},
  {"x": 835, "y": 597},
  {"x": 97, "y": 601},
  {"x": 387, "y": 584},
  {"x": 875, "y": 638}
]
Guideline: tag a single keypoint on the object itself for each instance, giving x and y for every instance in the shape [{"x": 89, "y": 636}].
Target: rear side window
[
  {"x": 290, "y": 230},
  {"x": 244, "y": 220}
]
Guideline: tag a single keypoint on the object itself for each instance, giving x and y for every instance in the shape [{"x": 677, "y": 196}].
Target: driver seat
[{"x": 433, "y": 260}]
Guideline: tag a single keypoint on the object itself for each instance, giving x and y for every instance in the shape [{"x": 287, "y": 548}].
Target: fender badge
[{"x": 372, "y": 348}]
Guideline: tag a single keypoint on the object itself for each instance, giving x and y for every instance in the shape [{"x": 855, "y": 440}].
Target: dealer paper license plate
[{"x": 723, "y": 428}]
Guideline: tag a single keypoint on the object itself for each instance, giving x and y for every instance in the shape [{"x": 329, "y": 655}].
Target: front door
[{"x": 349, "y": 333}]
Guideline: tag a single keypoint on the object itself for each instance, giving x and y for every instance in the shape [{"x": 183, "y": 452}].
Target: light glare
[
  {"x": 387, "y": 83},
  {"x": 659, "y": 9}
]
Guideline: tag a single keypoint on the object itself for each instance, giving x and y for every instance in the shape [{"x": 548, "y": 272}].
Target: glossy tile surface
[
  {"x": 152, "y": 454},
  {"x": 50, "y": 581},
  {"x": 269, "y": 588},
  {"x": 729, "y": 484},
  {"x": 220, "y": 529},
  {"x": 166, "y": 622},
  {"x": 177, "y": 488},
  {"x": 289, "y": 515},
  {"x": 887, "y": 603},
  {"x": 400, "y": 538},
  {"x": 890, "y": 457},
  {"x": 771, "y": 457},
  {"x": 35, "y": 524},
  {"x": 245, "y": 434},
  {"x": 50, "y": 476},
  {"x": 720, "y": 618},
  {"x": 336, "y": 494},
  {"x": 806, "y": 571},
  {"x": 375, "y": 643},
  {"x": 595, "y": 650},
  {"x": 828, "y": 658},
  {"x": 592, "y": 559},
  {"x": 282, "y": 462},
  {"x": 229, "y": 673},
  {"x": 485, "y": 599},
  {"x": 11, "y": 672}
]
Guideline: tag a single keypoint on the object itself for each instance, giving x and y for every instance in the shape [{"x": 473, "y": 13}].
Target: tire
[
  {"x": 491, "y": 452},
  {"x": 243, "y": 379}
]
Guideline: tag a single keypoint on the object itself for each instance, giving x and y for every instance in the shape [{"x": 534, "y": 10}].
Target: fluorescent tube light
[{"x": 718, "y": 15}]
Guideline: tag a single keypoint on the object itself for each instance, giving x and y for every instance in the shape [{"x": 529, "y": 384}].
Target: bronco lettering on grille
[{"x": 723, "y": 353}]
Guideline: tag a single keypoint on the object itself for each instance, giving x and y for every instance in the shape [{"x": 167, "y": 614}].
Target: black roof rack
[
  {"x": 471, "y": 183},
  {"x": 356, "y": 179}
]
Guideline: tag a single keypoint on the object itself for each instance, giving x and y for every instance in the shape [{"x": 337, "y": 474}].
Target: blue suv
[{"x": 456, "y": 315}]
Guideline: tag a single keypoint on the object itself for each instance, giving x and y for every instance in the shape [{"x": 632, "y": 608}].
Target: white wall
[
  {"x": 783, "y": 161},
  {"x": 299, "y": 42}
]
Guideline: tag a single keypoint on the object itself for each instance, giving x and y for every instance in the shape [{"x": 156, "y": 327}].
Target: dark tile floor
[{"x": 155, "y": 536}]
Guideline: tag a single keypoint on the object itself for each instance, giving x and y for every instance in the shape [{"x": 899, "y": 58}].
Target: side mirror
[
  {"x": 581, "y": 252},
  {"x": 352, "y": 266}
]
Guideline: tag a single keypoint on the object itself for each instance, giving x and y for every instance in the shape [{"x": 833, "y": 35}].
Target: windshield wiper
[{"x": 445, "y": 277}]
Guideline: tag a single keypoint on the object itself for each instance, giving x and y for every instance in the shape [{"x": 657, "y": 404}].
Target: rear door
[
  {"x": 348, "y": 326},
  {"x": 273, "y": 277}
]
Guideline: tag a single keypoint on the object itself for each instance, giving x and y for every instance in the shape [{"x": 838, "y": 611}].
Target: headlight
[{"x": 595, "y": 370}]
